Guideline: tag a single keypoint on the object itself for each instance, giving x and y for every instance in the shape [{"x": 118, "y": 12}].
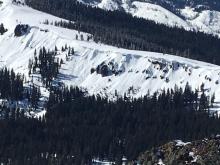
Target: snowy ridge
[{"x": 138, "y": 72}]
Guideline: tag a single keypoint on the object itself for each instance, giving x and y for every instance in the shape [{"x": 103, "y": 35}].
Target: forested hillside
[
  {"x": 120, "y": 29},
  {"x": 77, "y": 129}
]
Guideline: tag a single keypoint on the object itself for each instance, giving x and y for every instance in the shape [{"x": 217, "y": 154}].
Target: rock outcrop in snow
[{"x": 21, "y": 30}]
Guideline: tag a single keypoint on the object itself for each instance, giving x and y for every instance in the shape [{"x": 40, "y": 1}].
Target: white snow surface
[
  {"x": 139, "y": 74},
  {"x": 180, "y": 143},
  {"x": 206, "y": 21},
  {"x": 156, "y": 13},
  {"x": 160, "y": 162},
  {"x": 99, "y": 162},
  {"x": 108, "y": 5}
]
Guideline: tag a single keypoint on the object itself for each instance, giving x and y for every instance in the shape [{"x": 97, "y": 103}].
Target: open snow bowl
[{"x": 21, "y": 30}]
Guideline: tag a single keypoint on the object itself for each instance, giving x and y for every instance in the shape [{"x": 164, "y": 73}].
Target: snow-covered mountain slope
[
  {"x": 138, "y": 72},
  {"x": 189, "y": 18},
  {"x": 207, "y": 21},
  {"x": 156, "y": 13}
]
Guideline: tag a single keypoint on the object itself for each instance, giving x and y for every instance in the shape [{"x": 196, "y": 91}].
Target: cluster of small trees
[
  {"x": 2, "y": 29},
  {"x": 33, "y": 95},
  {"x": 18, "y": 2},
  {"x": 46, "y": 64},
  {"x": 70, "y": 52}
]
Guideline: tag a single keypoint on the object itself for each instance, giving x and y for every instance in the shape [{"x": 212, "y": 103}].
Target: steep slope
[
  {"x": 133, "y": 72},
  {"x": 200, "y": 16}
]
